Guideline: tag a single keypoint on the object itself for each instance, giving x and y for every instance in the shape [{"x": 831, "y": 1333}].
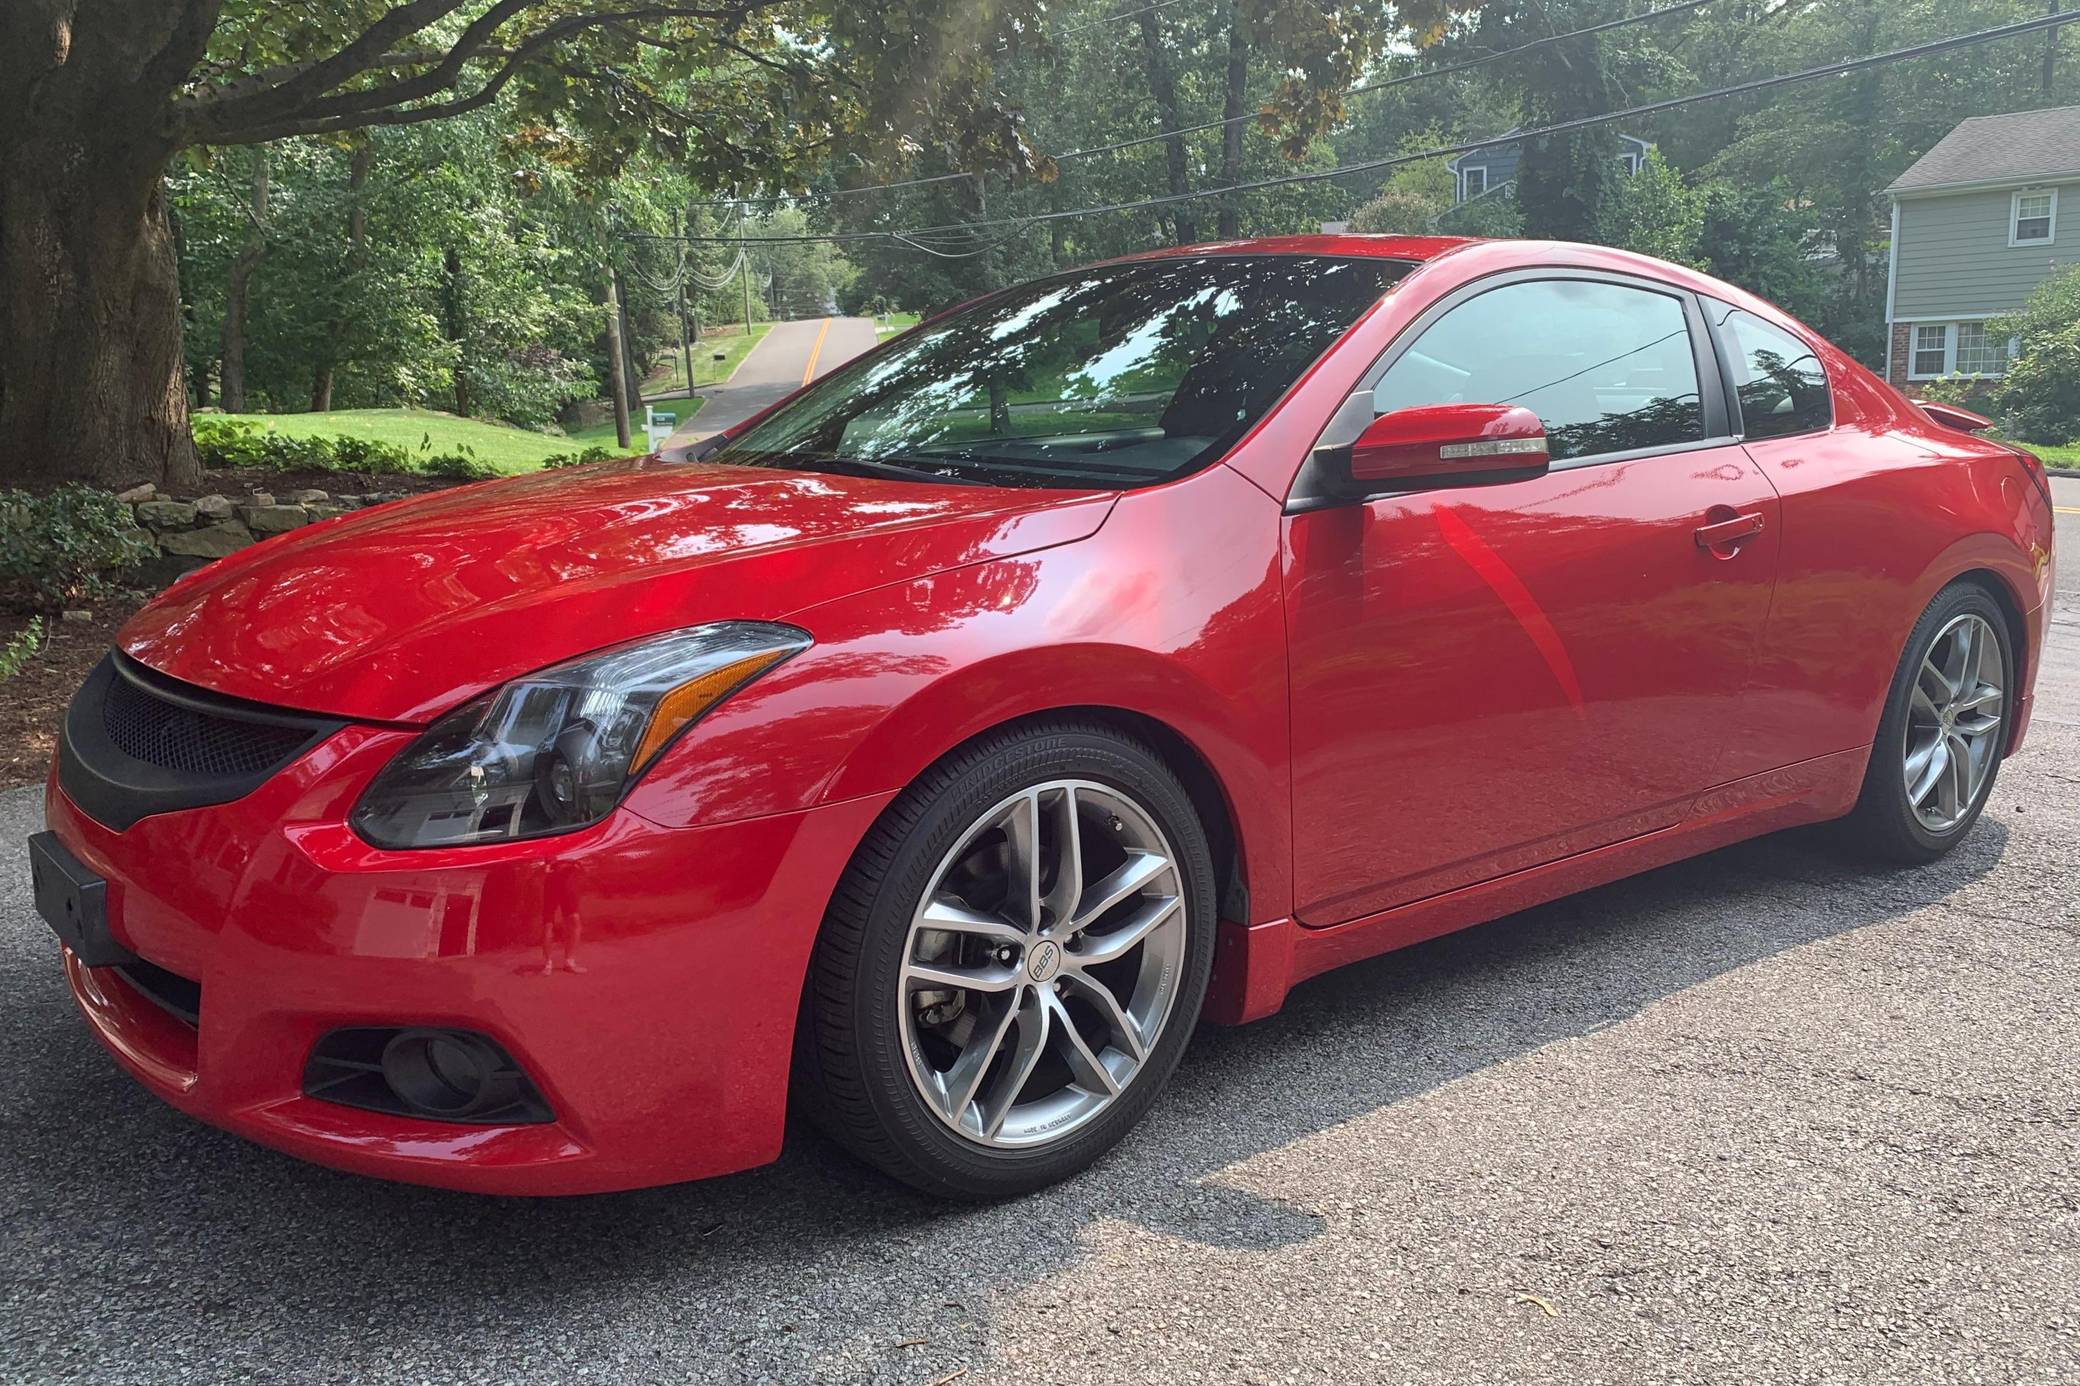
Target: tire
[
  {"x": 1888, "y": 822},
  {"x": 879, "y": 1053}
]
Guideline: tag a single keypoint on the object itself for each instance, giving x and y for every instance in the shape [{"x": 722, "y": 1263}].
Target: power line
[
  {"x": 1402, "y": 80},
  {"x": 741, "y": 202},
  {"x": 1160, "y": 135},
  {"x": 1115, "y": 18},
  {"x": 1919, "y": 50},
  {"x": 2044, "y": 23}
]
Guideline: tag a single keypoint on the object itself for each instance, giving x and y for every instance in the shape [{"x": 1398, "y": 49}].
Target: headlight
[{"x": 555, "y": 750}]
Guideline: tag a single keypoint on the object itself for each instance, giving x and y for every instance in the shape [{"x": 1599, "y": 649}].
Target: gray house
[
  {"x": 1484, "y": 170},
  {"x": 1976, "y": 227}
]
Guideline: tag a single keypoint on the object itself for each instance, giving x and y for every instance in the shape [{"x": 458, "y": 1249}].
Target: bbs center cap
[{"x": 1044, "y": 961}]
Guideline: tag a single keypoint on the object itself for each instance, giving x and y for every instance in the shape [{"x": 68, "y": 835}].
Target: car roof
[{"x": 1345, "y": 243}]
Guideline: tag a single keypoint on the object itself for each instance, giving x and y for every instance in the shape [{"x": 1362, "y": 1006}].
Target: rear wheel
[
  {"x": 1012, "y": 965},
  {"x": 1939, "y": 742}
]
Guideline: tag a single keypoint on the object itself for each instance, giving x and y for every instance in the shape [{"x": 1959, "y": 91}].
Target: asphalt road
[
  {"x": 785, "y": 359},
  {"x": 1760, "y": 1117}
]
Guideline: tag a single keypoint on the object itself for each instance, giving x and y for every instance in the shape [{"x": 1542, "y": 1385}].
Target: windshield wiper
[{"x": 874, "y": 466}]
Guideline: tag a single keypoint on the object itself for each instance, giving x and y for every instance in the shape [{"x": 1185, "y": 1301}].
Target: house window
[
  {"x": 2036, "y": 218},
  {"x": 1931, "y": 349},
  {"x": 1977, "y": 353},
  {"x": 1956, "y": 348},
  {"x": 1476, "y": 180}
]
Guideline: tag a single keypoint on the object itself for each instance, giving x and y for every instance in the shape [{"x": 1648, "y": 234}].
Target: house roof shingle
[{"x": 1998, "y": 148}]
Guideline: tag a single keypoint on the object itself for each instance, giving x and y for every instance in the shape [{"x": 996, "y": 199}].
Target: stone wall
[{"x": 190, "y": 533}]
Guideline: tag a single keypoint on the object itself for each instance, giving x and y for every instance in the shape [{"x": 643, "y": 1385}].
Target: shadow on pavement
[{"x": 138, "y": 1236}]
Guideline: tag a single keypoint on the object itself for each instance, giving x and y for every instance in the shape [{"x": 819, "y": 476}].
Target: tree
[
  {"x": 1415, "y": 195},
  {"x": 98, "y": 99},
  {"x": 2039, "y": 396},
  {"x": 1750, "y": 236},
  {"x": 1656, "y": 213}
]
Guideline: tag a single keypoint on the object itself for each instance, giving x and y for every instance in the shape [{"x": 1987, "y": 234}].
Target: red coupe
[{"x": 940, "y": 746}]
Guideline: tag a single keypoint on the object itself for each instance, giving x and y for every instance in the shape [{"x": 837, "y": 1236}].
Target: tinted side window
[
  {"x": 1780, "y": 383},
  {"x": 1607, "y": 368}
]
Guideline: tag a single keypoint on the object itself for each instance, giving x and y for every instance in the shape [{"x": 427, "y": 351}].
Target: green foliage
[
  {"x": 578, "y": 459},
  {"x": 18, "y": 650},
  {"x": 1493, "y": 215},
  {"x": 1656, "y": 213},
  {"x": 222, "y": 442},
  {"x": 1398, "y": 212},
  {"x": 2039, "y": 396},
  {"x": 1415, "y": 195},
  {"x": 1952, "y": 389},
  {"x": 1751, "y": 237},
  {"x": 65, "y": 545}
]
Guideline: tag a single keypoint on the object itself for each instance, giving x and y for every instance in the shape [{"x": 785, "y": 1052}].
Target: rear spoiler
[{"x": 1953, "y": 416}]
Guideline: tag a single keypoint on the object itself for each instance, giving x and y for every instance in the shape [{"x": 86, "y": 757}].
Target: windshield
[{"x": 1112, "y": 377}]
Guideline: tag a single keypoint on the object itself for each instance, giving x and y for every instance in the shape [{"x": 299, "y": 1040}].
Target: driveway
[
  {"x": 1760, "y": 1117},
  {"x": 785, "y": 359}
]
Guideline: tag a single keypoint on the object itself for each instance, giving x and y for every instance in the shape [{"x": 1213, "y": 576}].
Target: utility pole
[
  {"x": 619, "y": 371},
  {"x": 2051, "y": 49},
  {"x": 686, "y": 340},
  {"x": 744, "y": 256},
  {"x": 989, "y": 253}
]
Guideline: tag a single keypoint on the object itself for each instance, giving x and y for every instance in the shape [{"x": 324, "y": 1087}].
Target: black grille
[
  {"x": 178, "y": 996},
  {"x": 138, "y": 743},
  {"x": 146, "y": 727}
]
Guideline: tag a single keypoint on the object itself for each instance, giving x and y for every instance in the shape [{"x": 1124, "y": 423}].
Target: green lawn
[
  {"x": 670, "y": 376},
  {"x": 503, "y": 446},
  {"x": 2067, "y": 456},
  {"x": 884, "y": 328},
  {"x": 602, "y": 434}
]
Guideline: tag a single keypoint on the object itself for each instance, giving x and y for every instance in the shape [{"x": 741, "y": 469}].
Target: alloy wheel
[
  {"x": 1954, "y": 722},
  {"x": 1042, "y": 963}
]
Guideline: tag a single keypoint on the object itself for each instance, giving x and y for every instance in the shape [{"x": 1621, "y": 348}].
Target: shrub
[
  {"x": 367, "y": 455},
  {"x": 2039, "y": 397},
  {"x": 16, "y": 653},
  {"x": 595, "y": 453},
  {"x": 223, "y": 442},
  {"x": 462, "y": 465},
  {"x": 1399, "y": 212},
  {"x": 242, "y": 443},
  {"x": 63, "y": 546},
  {"x": 1964, "y": 391}
]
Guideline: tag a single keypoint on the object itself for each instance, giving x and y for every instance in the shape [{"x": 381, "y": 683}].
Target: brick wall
[{"x": 1902, "y": 346}]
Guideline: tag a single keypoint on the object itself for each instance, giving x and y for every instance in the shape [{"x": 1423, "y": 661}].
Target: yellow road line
[
  {"x": 2067, "y": 509},
  {"x": 816, "y": 350}
]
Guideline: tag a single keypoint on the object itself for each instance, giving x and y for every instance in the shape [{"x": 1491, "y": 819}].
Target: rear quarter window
[{"x": 1778, "y": 380}]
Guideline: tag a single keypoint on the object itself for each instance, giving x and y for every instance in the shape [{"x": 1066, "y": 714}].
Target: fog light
[
  {"x": 437, "y": 1075},
  {"x": 442, "y": 1073}
]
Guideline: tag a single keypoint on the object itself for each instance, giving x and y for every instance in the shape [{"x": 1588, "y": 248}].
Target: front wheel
[
  {"x": 1939, "y": 741},
  {"x": 1012, "y": 965}
]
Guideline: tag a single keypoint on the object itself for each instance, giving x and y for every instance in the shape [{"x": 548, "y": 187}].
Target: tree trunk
[
  {"x": 358, "y": 168},
  {"x": 617, "y": 363},
  {"x": 1162, "y": 85},
  {"x": 238, "y": 291},
  {"x": 92, "y": 382},
  {"x": 1234, "y": 106},
  {"x": 91, "y": 379},
  {"x": 457, "y": 326}
]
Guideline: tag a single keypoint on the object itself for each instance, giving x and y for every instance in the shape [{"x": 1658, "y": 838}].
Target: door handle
[{"x": 1723, "y": 536}]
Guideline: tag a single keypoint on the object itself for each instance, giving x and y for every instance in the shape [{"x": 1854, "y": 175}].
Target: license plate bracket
[{"x": 74, "y": 902}]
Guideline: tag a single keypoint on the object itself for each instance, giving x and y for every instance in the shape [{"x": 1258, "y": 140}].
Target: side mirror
[{"x": 1449, "y": 445}]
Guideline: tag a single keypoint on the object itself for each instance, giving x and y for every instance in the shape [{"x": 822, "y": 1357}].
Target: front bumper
[{"x": 646, "y": 978}]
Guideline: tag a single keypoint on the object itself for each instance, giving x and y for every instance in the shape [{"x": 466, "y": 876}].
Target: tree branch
[
  {"x": 232, "y": 121},
  {"x": 322, "y": 76}
]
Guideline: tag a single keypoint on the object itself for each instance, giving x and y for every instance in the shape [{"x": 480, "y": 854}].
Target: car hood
[{"x": 397, "y": 613}]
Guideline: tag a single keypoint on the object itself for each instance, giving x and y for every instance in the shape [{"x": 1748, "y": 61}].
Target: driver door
[{"x": 1487, "y": 678}]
